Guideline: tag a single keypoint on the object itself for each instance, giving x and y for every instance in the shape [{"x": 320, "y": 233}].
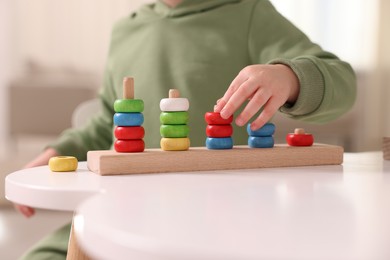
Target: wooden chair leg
[{"x": 74, "y": 251}]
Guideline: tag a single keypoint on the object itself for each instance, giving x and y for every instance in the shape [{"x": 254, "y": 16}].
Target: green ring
[
  {"x": 174, "y": 131},
  {"x": 129, "y": 105},
  {"x": 174, "y": 118}
]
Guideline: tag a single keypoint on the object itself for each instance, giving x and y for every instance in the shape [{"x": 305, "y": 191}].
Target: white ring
[{"x": 174, "y": 104}]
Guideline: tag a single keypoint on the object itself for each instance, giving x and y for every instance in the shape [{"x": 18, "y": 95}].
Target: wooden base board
[{"x": 202, "y": 159}]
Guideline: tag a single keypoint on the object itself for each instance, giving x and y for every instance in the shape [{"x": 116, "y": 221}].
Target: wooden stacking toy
[
  {"x": 128, "y": 119},
  {"x": 262, "y": 137},
  {"x": 218, "y": 131},
  {"x": 300, "y": 138},
  {"x": 174, "y": 118}
]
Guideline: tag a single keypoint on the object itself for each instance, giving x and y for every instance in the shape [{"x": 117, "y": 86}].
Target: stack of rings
[
  {"x": 219, "y": 131},
  {"x": 128, "y": 119},
  {"x": 174, "y": 118},
  {"x": 262, "y": 137}
]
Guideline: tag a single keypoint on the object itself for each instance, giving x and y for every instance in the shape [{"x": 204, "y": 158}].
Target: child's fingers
[
  {"x": 236, "y": 83},
  {"x": 269, "y": 110},
  {"x": 25, "y": 210},
  {"x": 219, "y": 106},
  {"x": 28, "y": 212},
  {"x": 239, "y": 97},
  {"x": 254, "y": 105}
]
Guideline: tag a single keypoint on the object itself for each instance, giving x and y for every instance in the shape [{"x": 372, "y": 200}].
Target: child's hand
[
  {"x": 42, "y": 159},
  {"x": 25, "y": 210},
  {"x": 267, "y": 86}
]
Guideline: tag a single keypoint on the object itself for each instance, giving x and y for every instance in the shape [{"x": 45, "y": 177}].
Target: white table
[{"x": 323, "y": 212}]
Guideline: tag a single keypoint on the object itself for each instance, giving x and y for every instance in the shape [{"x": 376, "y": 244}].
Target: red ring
[
  {"x": 129, "y": 146},
  {"x": 300, "y": 139},
  {"x": 219, "y": 130},
  {"x": 213, "y": 118},
  {"x": 129, "y": 132}
]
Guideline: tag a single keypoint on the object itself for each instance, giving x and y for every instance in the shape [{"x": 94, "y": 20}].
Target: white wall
[
  {"x": 76, "y": 33},
  {"x": 55, "y": 33},
  {"x": 66, "y": 33},
  {"x": 376, "y": 114},
  {"x": 347, "y": 28},
  {"x": 384, "y": 60},
  {"x": 4, "y": 71}
]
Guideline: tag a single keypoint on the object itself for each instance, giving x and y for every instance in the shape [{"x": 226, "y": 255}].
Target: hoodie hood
[{"x": 187, "y": 7}]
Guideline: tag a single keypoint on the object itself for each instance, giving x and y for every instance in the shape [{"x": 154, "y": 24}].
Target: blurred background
[{"x": 52, "y": 55}]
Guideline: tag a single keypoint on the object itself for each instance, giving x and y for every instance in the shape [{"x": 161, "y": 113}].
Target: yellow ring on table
[{"x": 63, "y": 164}]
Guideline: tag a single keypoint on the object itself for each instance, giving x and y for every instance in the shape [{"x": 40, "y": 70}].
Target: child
[{"x": 202, "y": 47}]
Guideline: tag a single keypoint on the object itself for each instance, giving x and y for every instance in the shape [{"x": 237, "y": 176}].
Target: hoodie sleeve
[
  {"x": 327, "y": 84},
  {"x": 97, "y": 132}
]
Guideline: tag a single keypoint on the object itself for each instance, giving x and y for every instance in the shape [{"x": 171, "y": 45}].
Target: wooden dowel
[
  {"x": 128, "y": 88},
  {"x": 174, "y": 93},
  {"x": 299, "y": 131}
]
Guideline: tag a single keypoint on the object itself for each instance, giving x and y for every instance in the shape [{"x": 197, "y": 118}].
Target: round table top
[{"x": 320, "y": 212}]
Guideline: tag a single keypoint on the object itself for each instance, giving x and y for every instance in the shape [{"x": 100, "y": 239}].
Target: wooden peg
[
  {"x": 128, "y": 88},
  {"x": 299, "y": 131},
  {"x": 174, "y": 93}
]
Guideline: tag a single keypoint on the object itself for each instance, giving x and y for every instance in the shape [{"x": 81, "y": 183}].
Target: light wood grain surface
[{"x": 202, "y": 159}]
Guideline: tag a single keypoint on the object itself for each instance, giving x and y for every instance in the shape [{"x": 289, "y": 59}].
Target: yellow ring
[
  {"x": 63, "y": 164},
  {"x": 175, "y": 144}
]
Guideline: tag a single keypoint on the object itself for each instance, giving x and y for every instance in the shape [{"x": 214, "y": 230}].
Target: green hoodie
[{"x": 199, "y": 47}]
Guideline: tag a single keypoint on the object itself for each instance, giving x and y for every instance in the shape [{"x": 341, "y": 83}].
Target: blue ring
[
  {"x": 267, "y": 130},
  {"x": 214, "y": 143},
  {"x": 261, "y": 142},
  {"x": 128, "y": 119}
]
